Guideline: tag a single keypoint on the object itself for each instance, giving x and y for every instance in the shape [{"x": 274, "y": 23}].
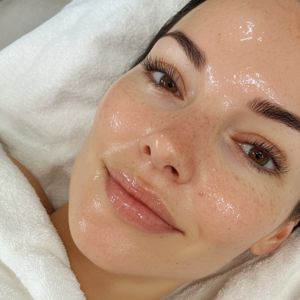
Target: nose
[{"x": 170, "y": 153}]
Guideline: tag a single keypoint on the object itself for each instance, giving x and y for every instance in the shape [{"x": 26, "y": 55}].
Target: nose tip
[{"x": 168, "y": 156}]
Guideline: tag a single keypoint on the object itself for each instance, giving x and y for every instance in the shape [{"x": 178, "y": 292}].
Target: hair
[
  {"x": 295, "y": 215},
  {"x": 170, "y": 23}
]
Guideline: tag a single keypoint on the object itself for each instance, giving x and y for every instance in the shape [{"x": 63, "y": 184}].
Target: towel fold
[{"x": 33, "y": 260}]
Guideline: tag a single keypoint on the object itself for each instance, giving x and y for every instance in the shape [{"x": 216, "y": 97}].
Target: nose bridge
[
  {"x": 174, "y": 146},
  {"x": 178, "y": 137},
  {"x": 187, "y": 131}
]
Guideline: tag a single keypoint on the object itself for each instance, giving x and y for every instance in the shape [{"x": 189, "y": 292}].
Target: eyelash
[
  {"x": 158, "y": 65},
  {"x": 277, "y": 157}
]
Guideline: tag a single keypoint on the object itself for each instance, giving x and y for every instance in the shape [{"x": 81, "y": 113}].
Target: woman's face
[{"x": 195, "y": 144}]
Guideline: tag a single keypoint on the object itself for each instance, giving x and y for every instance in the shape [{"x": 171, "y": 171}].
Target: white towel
[
  {"x": 33, "y": 260},
  {"x": 51, "y": 82}
]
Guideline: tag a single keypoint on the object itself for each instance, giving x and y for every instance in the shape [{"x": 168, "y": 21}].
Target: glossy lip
[{"x": 149, "y": 202}]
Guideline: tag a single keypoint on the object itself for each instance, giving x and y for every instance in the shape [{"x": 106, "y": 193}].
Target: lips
[{"x": 137, "y": 205}]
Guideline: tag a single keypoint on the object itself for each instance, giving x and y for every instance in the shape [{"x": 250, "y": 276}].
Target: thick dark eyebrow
[
  {"x": 196, "y": 55},
  {"x": 275, "y": 112}
]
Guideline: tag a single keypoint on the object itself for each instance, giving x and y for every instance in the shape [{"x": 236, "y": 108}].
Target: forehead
[{"x": 251, "y": 41}]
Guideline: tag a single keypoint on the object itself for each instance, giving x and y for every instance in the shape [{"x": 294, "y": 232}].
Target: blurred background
[{"x": 18, "y": 17}]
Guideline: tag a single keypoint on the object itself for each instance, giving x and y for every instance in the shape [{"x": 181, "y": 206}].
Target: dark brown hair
[{"x": 170, "y": 23}]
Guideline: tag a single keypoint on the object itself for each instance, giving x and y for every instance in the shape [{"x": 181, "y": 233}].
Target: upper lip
[{"x": 143, "y": 195}]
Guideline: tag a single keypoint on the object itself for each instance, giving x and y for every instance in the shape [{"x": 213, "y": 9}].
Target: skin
[{"x": 220, "y": 203}]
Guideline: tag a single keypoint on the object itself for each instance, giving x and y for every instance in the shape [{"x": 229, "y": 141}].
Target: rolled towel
[{"x": 33, "y": 261}]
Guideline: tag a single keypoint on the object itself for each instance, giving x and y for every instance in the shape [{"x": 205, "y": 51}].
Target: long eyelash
[
  {"x": 277, "y": 157},
  {"x": 155, "y": 64}
]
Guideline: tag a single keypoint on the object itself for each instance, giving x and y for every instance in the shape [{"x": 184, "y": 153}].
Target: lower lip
[{"x": 133, "y": 211}]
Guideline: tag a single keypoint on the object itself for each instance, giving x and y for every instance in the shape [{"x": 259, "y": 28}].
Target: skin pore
[{"x": 190, "y": 143}]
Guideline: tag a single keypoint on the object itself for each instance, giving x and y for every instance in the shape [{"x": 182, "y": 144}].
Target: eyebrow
[
  {"x": 275, "y": 112},
  {"x": 193, "y": 52}
]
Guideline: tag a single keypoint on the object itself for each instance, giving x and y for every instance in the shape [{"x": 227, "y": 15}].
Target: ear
[{"x": 273, "y": 240}]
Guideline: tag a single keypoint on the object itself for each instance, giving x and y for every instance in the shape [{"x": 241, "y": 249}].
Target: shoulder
[{"x": 35, "y": 184}]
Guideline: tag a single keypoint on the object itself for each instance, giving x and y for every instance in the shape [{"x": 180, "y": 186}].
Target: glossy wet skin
[{"x": 221, "y": 204}]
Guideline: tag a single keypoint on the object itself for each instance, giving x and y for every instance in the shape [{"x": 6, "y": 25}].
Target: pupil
[
  {"x": 259, "y": 156},
  {"x": 167, "y": 83}
]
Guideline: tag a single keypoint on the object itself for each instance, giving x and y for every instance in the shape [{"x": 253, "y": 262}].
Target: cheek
[
  {"x": 95, "y": 235},
  {"x": 93, "y": 230},
  {"x": 231, "y": 211},
  {"x": 121, "y": 115}
]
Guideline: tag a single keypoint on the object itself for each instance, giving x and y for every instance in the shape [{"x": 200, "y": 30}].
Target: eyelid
[
  {"x": 257, "y": 166},
  {"x": 277, "y": 156},
  {"x": 159, "y": 65},
  {"x": 238, "y": 136}
]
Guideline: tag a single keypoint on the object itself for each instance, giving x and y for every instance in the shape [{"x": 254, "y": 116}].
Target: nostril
[
  {"x": 147, "y": 150},
  {"x": 174, "y": 171}
]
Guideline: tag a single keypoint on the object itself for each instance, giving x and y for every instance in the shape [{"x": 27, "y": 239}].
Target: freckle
[
  {"x": 252, "y": 189},
  {"x": 162, "y": 237},
  {"x": 229, "y": 228},
  {"x": 177, "y": 263},
  {"x": 237, "y": 178}
]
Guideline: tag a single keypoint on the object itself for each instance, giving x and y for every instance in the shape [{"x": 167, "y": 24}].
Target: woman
[{"x": 190, "y": 162}]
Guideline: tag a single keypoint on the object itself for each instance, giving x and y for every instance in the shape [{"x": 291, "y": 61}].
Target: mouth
[{"x": 136, "y": 205}]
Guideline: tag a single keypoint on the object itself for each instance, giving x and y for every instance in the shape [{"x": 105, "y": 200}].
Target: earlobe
[{"x": 273, "y": 240}]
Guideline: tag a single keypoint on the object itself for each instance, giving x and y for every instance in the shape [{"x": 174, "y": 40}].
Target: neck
[{"x": 94, "y": 281}]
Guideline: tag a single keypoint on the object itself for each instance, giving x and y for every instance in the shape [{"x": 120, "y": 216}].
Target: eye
[
  {"x": 259, "y": 156},
  {"x": 166, "y": 82}
]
